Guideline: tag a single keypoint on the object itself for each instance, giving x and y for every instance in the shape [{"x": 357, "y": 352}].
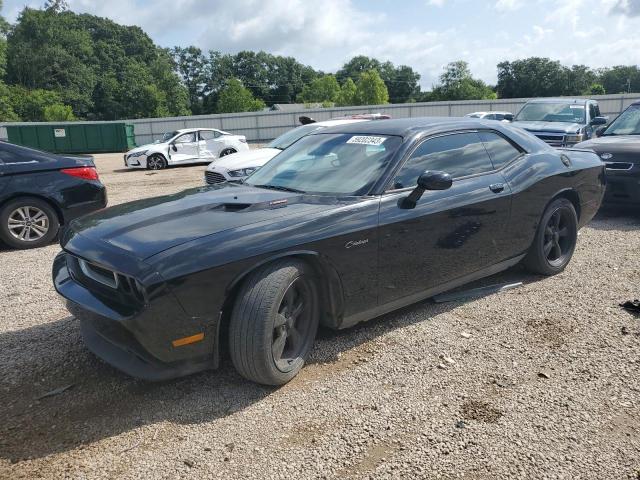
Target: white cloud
[{"x": 508, "y": 5}]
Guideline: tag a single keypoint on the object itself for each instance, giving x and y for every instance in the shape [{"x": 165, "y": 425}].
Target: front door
[
  {"x": 186, "y": 148},
  {"x": 450, "y": 233}
]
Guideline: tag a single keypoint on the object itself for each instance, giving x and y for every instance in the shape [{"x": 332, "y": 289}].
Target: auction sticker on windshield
[{"x": 366, "y": 140}]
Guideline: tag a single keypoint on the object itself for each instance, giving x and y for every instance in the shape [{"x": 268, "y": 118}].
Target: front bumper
[
  {"x": 139, "y": 161},
  {"x": 138, "y": 339},
  {"x": 623, "y": 186}
]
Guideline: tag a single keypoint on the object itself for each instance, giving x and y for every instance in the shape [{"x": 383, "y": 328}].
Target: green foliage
[
  {"x": 620, "y": 79},
  {"x": 595, "y": 89},
  {"x": 457, "y": 83},
  {"x": 371, "y": 89},
  {"x": 401, "y": 82},
  {"x": 58, "y": 113},
  {"x": 102, "y": 69},
  {"x": 234, "y": 97},
  {"x": 347, "y": 94},
  {"x": 322, "y": 89}
]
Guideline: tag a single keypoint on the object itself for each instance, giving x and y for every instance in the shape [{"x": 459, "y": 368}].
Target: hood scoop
[
  {"x": 231, "y": 207},
  {"x": 239, "y": 207}
]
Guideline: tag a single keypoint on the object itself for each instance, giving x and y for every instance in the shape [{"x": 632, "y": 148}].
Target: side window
[
  {"x": 592, "y": 112},
  {"x": 490, "y": 116},
  {"x": 14, "y": 154},
  {"x": 186, "y": 138},
  {"x": 500, "y": 150},
  {"x": 499, "y": 116},
  {"x": 208, "y": 134},
  {"x": 459, "y": 155}
]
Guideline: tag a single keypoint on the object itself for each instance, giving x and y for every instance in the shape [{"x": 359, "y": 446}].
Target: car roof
[
  {"x": 340, "y": 121},
  {"x": 407, "y": 126},
  {"x": 185, "y": 130},
  {"x": 561, "y": 100}
]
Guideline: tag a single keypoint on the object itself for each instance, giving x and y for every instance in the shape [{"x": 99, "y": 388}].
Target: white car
[
  {"x": 237, "y": 167},
  {"x": 501, "y": 116},
  {"x": 186, "y": 146}
]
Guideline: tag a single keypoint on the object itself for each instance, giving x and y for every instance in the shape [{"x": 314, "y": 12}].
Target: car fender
[{"x": 331, "y": 290}]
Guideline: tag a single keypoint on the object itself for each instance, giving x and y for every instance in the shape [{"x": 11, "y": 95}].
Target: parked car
[
  {"x": 40, "y": 192},
  {"x": 346, "y": 224},
  {"x": 238, "y": 166},
  {"x": 501, "y": 116},
  {"x": 186, "y": 146},
  {"x": 561, "y": 122},
  {"x": 619, "y": 148}
]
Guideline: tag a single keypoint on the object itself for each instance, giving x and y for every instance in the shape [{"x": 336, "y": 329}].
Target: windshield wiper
[{"x": 279, "y": 187}]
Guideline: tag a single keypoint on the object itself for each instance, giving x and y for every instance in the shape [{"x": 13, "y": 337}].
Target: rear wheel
[
  {"x": 28, "y": 223},
  {"x": 274, "y": 322},
  {"x": 555, "y": 239},
  {"x": 227, "y": 151},
  {"x": 156, "y": 162}
]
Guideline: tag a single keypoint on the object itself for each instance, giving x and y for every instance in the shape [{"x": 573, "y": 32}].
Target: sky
[{"x": 424, "y": 34}]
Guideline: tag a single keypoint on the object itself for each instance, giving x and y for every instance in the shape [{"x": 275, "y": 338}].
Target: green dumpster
[{"x": 77, "y": 137}]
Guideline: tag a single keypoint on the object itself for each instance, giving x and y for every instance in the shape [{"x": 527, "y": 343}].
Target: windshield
[
  {"x": 551, "y": 112},
  {"x": 167, "y": 136},
  {"x": 628, "y": 123},
  {"x": 342, "y": 164},
  {"x": 292, "y": 136}
]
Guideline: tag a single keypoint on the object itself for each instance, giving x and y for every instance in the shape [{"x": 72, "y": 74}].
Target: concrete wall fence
[{"x": 264, "y": 126}]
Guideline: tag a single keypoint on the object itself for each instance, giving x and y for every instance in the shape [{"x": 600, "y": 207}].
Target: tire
[
  {"x": 227, "y": 151},
  {"x": 261, "y": 324},
  {"x": 555, "y": 239},
  {"x": 156, "y": 162},
  {"x": 28, "y": 222}
]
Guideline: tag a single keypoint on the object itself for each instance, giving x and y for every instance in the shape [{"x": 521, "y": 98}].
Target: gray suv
[{"x": 561, "y": 122}]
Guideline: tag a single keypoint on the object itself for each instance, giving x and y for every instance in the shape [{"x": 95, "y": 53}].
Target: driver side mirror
[
  {"x": 429, "y": 180},
  {"x": 599, "y": 121},
  {"x": 173, "y": 147},
  {"x": 508, "y": 117},
  {"x": 600, "y": 131}
]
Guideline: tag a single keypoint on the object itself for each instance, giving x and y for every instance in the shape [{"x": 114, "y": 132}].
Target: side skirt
[{"x": 418, "y": 297}]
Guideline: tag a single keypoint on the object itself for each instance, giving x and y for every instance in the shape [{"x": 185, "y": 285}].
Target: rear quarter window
[{"x": 500, "y": 150}]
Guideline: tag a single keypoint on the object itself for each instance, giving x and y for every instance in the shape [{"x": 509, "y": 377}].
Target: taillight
[{"x": 86, "y": 173}]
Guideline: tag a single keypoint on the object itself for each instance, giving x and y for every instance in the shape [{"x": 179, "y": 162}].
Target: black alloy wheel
[{"x": 555, "y": 239}]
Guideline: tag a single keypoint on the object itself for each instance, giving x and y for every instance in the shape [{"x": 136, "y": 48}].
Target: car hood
[
  {"x": 555, "y": 127},
  {"x": 246, "y": 159},
  {"x": 613, "y": 144},
  {"x": 143, "y": 148},
  {"x": 147, "y": 227}
]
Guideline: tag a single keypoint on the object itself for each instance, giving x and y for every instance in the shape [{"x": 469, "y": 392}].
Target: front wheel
[
  {"x": 227, "y": 151},
  {"x": 274, "y": 322},
  {"x": 156, "y": 162},
  {"x": 555, "y": 239}
]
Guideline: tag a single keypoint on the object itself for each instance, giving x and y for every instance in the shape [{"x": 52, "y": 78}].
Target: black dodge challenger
[{"x": 343, "y": 226}]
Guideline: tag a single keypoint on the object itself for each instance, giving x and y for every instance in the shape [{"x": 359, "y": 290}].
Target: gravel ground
[{"x": 537, "y": 382}]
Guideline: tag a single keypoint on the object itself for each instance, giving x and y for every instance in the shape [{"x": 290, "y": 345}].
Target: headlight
[
  {"x": 242, "y": 172},
  {"x": 138, "y": 154},
  {"x": 574, "y": 138}
]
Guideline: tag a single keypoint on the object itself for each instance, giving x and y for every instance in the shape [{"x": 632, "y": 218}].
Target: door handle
[{"x": 496, "y": 187}]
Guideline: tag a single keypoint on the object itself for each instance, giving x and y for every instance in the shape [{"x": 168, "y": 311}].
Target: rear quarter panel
[{"x": 537, "y": 178}]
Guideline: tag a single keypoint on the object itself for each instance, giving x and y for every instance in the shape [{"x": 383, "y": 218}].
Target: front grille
[
  {"x": 214, "y": 177},
  {"x": 619, "y": 165},
  {"x": 551, "y": 139},
  {"x": 105, "y": 282}
]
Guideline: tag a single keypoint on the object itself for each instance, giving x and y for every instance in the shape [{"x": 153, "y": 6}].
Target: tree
[
  {"x": 532, "y": 77},
  {"x": 191, "y": 65},
  {"x": 456, "y": 83},
  {"x": 347, "y": 94},
  {"x": 620, "y": 79},
  {"x": 401, "y": 82},
  {"x": 595, "y": 89},
  {"x": 56, "y": 6},
  {"x": 234, "y": 97},
  {"x": 371, "y": 90},
  {"x": 58, "y": 113},
  {"x": 323, "y": 89}
]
